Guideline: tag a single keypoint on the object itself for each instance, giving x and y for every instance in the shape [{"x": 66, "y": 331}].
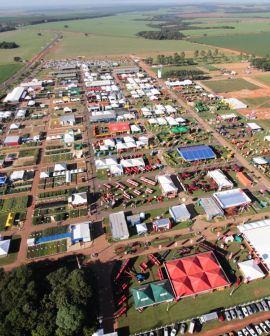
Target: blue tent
[{"x": 195, "y": 153}]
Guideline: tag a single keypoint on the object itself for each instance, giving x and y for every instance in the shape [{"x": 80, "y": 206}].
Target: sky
[{"x": 94, "y": 3}]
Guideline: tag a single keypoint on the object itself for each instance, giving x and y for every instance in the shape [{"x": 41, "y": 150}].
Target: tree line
[
  {"x": 261, "y": 63},
  {"x": 163, "y": 34},
  {"x": 60, "y": 302},
  {"x": 8, "y": 45},
  {"x": 186, "y": 74}
]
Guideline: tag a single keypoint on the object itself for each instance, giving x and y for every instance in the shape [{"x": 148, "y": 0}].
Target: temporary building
[
  {"x": 78, "y": 199},
  {"x": 254, "y": 127},
  {"x": 179, "y": 213},
  {"x": 14, "y": 126},
  {"x": 211, "y": 208},
  {"x": 152, "y": 293},
  {"x": 232, "y": 198},
  {"x": 267, "y": 138},
  {"x": 162, "y": 224},
  {"x": 230, "y": 116},
  {"x": 129, "y": 163},
  {"x": 67, "y": 120},
  {"x": 167, "y": 186},
  {"x": 11, "y": 140},
  {"x": 221, "y": 180},
  {"x": 257, "y": 235},
  {"x": 60, "y": 167},
  {"x": 250, "y": 270},
  {"x": 118, "y": 226},
  {"x": 15, "y": 95},
  {"x": 4, "y": 247},
  {"x": 141, "y": 228},
  {"x": 119, "y": 127},
  {"x": 116, "y": 170},
  {"x": 80, "y": 232},
  {"x": 242, "y": 178},
  {"x": 105, "y": 163},
  {"x": 234, "y": 103},
  {"x": 16, "y": 175},
  {"x": 195, "y": 153},
  {"x": 260, "y": 161},
  {"x": 196, "y": 274}
]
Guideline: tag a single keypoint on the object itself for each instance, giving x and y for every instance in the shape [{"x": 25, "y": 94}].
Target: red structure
[
  {"x": 119, "y": 128},
  {"x": 196, "y": 274},
  {"x": 122, "y": 269},
  {"x": 154, "y": 260},
  {"x": 143, "y": 267},
  {"x": 160, "y": 274}
]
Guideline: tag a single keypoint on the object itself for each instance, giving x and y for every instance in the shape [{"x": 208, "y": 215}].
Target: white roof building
[
  {"x": 221, "y": 180},
  {"x": 254, "y": 127},
  {"x": 15, "y": 95},
  {"x": 60, "y": 167},
  {"x": 78, "y": 199},
  {"x": 231, "y": 198},
  {"x": 257, "y": 234},
  {"x": 4, "y": 247},
  {"x": 250, "y": 270},
  {"x": 166, "y": 184},
  {"x": 118, "y": 226},
  {"x": 16, "y": 175},
  {"x": 80, "y": 232}
]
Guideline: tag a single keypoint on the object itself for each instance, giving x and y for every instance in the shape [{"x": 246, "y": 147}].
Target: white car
[
  {"x": 245, "y": 312},
  {"x": 245, "y": 332},
  {"x": 239, "y": 333},
  {"x": 263, "y": 326},
  {"x": 258, "y": 329},
  {"x": 267, "y": 322},
  {"x": 251, "y": 331}
]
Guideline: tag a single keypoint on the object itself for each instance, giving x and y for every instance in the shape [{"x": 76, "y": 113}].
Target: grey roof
[
  {"x": 118, "y": 225},
  {"x": 210, "y": 207},
  {"x": 11, "y": 138},
  {"x": 179, "y": 212}
]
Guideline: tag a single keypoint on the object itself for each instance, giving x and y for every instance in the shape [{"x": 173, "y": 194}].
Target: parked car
[
  {"x": 227, "y": 315},
  {"x": 239, "y": 333},
  {"x": 245, "y": 332},
  {"x": 174, "y": 330},
  {"x": 268, "y": 302},
  {"x": 192, "y": 326},
  {"x": 267, "y": 322},
  {"x": 183, "y": 328},
  {"x": 258, "y": 329},
  {"x": 263, "y": 327},
  {"x": 245, "y": 312},
  {"x": 259, "y": 306},
  {"x": 251, "y": 330},
  {"x": 249, "y": 309},
  {"x": 254, "y": 308},
  {"x": 233, "y": 314},
  {"x": 265, "y": 305},
  {"x": 239, "y": 312},
  {"x": 166, "y": 331}
]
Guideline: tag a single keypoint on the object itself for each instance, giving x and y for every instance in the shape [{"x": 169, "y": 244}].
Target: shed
[
  {"x": 232, "y": 198},
  {"x": 16, "y": 175},
  {"x": 244, "y": 179},
  {"x": 141, "y": 228},
  {"x": 179, "y": 213},
  {"x": 11, "y": 140},
  {"x": 118, "y": 226},
  {"x": 4, "y": 247},
  {"x": 221, "y": 179},
  {"x": 162, "y": 224},
  {"x": 211, "y": 208},
  {"x": 167, "y": 186}
]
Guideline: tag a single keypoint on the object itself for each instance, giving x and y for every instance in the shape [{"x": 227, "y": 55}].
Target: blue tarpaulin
[
  {"x": 195, "y": 153},
  {"x": 53, "y": 237}
]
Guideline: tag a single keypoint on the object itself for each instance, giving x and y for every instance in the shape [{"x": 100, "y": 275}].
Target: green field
[
  {"x": 230, "y": 85},
  {"x": 77, "y": 44},
  {"x": 30, "y": 44},
  {"x": 257, "y": 44},
  {"x": 8, "y": 70},
  {"x": 264, "y": 79},
  {"x": 262, "y": 102}
]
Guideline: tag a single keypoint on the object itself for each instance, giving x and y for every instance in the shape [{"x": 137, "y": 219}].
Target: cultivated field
[
  {"x": 230, "y": 85},
  {"x": 8, "y": 70}
]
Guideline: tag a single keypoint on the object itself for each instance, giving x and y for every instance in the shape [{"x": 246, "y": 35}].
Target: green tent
[
  {"x": 152, "y": 293},
  {"x": 179, "y": 129}
]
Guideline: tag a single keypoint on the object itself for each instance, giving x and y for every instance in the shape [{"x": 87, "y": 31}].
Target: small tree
[
  {"x": 17, "y": 59},
  {"x": 196, "y": 53},
  {"x": 65, "y": 26},
  {"x": 202, "y": 53},
  {"x": 216, "y": 52},
  {"x": 183, "y": 55}
]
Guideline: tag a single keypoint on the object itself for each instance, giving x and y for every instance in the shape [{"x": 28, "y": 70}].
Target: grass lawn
[
  {"x": 45, "y": 249},
  {"x": 257, "y": 102},
  {"x": 13, "y": 251},
  {"x": 30, "y": 44},
  {"x": 8, "y": 70},
  {"x": 230, "y": 85},
  {"x": 257, "y": 44},
  {"x": 154, "y": 317}
]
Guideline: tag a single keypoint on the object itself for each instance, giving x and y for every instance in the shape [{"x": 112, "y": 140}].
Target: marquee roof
[{"x": 195, "y": 274}]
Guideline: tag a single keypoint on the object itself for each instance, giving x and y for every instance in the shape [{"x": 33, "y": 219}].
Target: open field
[
  {"x": 77, "y": 44},
  {"x": 8, "y": 70},
  {"x": 30, "y": 44},
  {"x": 262, "y": 102},
  {"x": 265, "y": 79},
  {"x": 257, "y": 44},
  {"x": 230, "y": 85}
]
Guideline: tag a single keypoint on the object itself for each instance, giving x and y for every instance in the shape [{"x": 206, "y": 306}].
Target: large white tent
[
  {"x": 250, "y": 270},
  {"x": 257, "y": 234}
]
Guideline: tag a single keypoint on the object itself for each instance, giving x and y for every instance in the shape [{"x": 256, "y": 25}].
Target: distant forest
[
  {"x": 163, "y": 34},
  {"x": 261, "y": 63}
]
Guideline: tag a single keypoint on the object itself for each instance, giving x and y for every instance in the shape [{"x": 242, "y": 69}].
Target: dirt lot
[
  {"x": 260, "y": 113},
  {"x": 247, "y": 93}
]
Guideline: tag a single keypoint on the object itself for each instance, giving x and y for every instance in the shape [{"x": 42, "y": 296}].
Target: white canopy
[
  {"x": 141, "y": 228},
  {"x": 250, "y": 270},
  {"x": 4, "y": 247}
]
